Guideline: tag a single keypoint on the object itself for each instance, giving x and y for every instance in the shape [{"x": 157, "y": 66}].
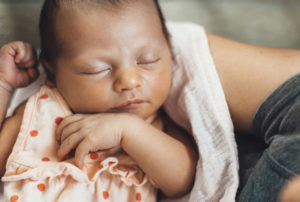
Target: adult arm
[{"x": 249, "y": 74}]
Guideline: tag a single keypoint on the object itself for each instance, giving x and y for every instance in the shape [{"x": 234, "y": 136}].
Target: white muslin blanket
[{"x": 196, "y": 103}]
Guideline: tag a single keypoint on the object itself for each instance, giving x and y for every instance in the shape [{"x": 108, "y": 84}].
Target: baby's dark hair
[{"x": 48, "y": 42}]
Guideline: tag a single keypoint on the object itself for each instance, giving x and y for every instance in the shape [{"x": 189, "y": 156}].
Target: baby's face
[{"x": 114, "y": 60}]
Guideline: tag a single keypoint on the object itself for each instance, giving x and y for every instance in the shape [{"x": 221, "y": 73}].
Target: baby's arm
[
  {"x": 17, "y": 69},
  {"x": 168, "y": 158},
  {"x": 8, "y": 135},
  {"x": 18, "y": 63}
]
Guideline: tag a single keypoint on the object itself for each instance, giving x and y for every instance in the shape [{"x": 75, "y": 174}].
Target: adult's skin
[{"x": 249, "y": 74}]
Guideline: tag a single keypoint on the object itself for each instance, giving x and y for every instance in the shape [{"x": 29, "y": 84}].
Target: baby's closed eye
[
  {"x": 102, "y": 69},
  {"x": 148, "y": 58}
]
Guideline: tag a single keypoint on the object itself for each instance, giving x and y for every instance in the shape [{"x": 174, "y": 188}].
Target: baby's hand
[
  {"x": 18, "y": 64},
  {"x": 90, "y": 133}
]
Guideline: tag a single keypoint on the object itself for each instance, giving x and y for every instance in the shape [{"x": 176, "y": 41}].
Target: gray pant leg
[
  {"x": 277, "y": 121},
  {"x": 278, "y": 163}
]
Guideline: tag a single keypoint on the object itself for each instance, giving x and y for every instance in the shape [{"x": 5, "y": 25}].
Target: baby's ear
[
  {"x": 50, "y": 71},
  {"x": 47, "y": 66}
]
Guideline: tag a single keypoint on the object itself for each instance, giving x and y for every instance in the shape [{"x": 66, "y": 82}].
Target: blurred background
[{"x": 273, "y": 23}]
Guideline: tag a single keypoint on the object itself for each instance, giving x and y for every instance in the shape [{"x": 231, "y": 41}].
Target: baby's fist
[{"x": 18, "y": 64}]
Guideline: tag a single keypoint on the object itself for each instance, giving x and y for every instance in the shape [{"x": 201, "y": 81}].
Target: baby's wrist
[
  {"x": 5, "y": 86},
  {"x": 133, "y": 128}
]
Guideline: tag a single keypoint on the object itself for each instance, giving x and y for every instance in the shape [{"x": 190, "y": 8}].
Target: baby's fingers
[
  {"x": 69, "y": 130},
  {"x": 65, "y": 122},
  {"x": 20, "y": 50},
  {"x": 30, "y": 59},
  {"x": 82, "y": 150},
  {"x": 27, "y": 57},
  {"x": 68, "y": 145}
]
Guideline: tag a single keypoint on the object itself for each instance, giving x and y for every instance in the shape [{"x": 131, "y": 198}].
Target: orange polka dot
[
  {"x": 138, "y": 197},
  {"x": 34, "y": 133},
  {"x": 41, "y": 187},
  {"x": 14, "y": 198},
  {"x": 58, "y": 120},
  {"x": 45, "y": 159},
  {"x": 93, "y": 156},
  {"x": 45, "y": 96},
  {"x": 105, "y": 195}
]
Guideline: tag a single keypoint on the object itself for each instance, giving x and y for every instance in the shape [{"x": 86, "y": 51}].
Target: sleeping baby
[{"x": 96, "y": 130}]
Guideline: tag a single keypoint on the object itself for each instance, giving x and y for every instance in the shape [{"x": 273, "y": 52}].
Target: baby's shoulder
[
  {"x": 15, "y": 120},
  {"x": 20, "y": 109},
  {"x": 8, "y": 134}
]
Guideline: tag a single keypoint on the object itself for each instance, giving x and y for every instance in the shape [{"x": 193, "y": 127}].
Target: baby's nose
[{"x": 127, "y": 79}]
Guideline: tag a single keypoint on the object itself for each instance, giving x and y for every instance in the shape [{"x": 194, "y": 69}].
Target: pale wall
[{"x": 274, "y": 23}]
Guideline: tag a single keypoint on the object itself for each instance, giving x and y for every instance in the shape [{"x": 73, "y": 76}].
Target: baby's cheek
[
  {"x": 161, "y": 91},
  {"x": 89, "y": 103}
]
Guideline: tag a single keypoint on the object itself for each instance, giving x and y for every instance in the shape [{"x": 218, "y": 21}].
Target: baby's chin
[{"x": 291, "y": 192}]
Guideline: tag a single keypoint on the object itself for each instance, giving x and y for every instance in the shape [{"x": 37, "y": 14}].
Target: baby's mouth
[{"x": 130, "y": 104}]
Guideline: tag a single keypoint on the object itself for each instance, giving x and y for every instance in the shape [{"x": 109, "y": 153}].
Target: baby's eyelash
[
  {"x": 149, "y": 62},
  {"x": 96, "y": 72}
]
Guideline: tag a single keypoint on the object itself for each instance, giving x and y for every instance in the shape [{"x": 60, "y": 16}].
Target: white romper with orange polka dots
[{"x": 33, "y": 172}]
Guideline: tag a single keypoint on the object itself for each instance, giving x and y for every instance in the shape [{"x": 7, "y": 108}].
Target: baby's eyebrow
[{"x": 153, "y": 45}]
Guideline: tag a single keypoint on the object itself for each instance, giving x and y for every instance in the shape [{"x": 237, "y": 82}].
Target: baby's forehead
[
  {"x": 82, "y": 9},
  {"x": 111, "y": 30},
  {"x": 62, "y": 25},
  {"x": 99, "y": 16},
  {"x": 107, "y": 5}
]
